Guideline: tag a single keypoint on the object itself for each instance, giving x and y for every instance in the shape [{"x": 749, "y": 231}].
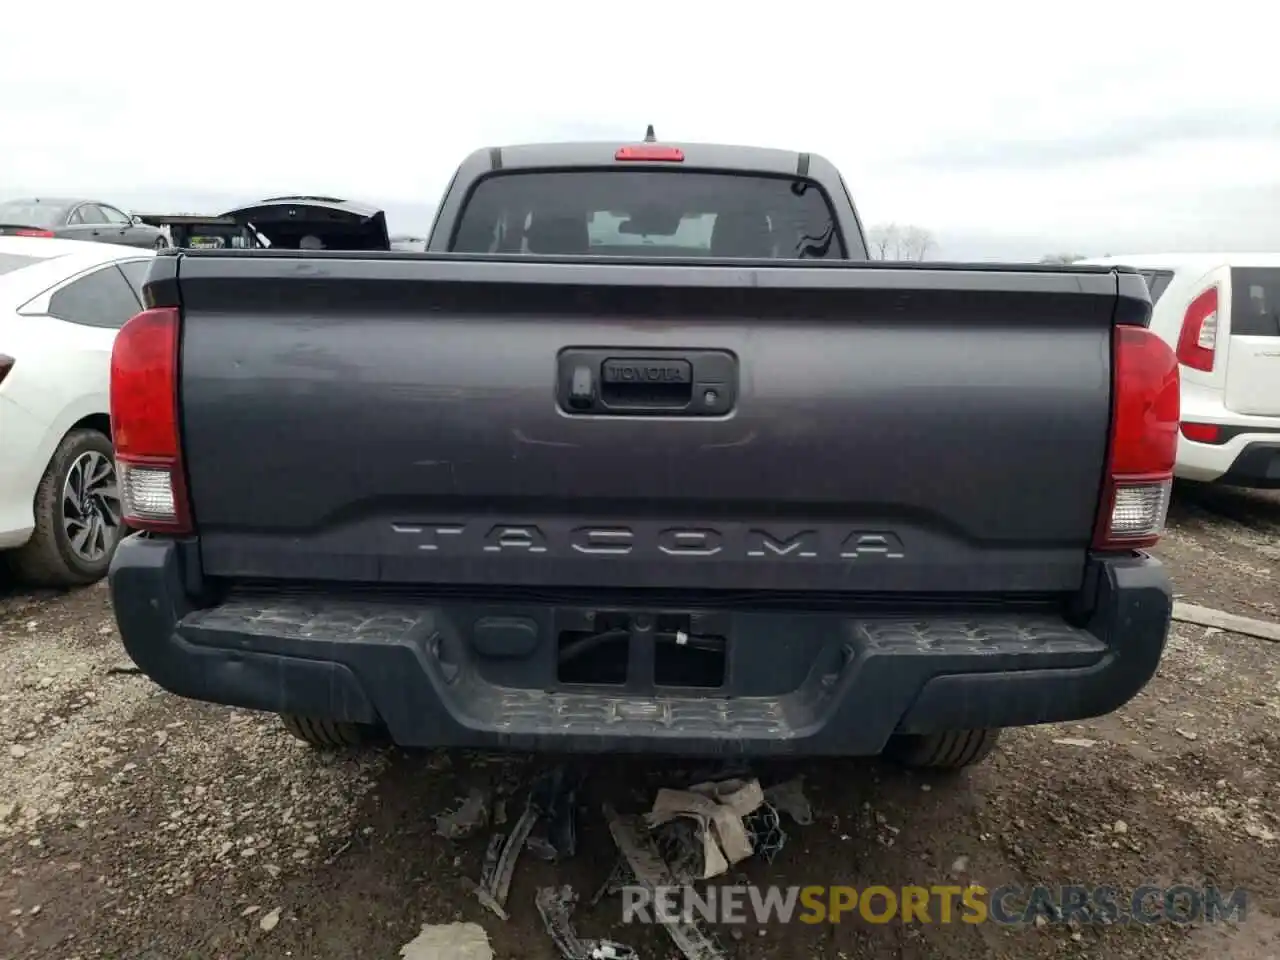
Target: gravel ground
[{"x": 135, "y": 824}]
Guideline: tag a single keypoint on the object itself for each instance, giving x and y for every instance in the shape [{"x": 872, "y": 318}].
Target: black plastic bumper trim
[
  {"x": 412, "y": 668},
  {"x": 1257, "y": 466}
]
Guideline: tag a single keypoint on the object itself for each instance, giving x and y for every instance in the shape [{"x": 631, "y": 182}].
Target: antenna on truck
[{"x": 649, "y": 136}]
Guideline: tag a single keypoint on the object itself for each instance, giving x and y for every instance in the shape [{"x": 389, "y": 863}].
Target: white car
[
  {"x": 1221, "y": 314},
  {"x": 61, "y": 303}
]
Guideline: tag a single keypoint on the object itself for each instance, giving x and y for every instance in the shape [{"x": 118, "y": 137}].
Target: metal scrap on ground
[
  {"x": 552, "y": 802},
  {"x": 681, "y": 841},
  {"x": 555, "y": 833},
  {"x": 500, "y": 863},
  {"x": 650, "y": 871},
  {"x": 555, "y": 906}
]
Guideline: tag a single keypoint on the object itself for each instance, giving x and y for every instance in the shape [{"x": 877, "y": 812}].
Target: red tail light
[
  {"x": 32, "y": 233},
  {"x": 647, "y": 151},
  {"x": 1198, "y": 341},
  {"x": 144, "y": 423},
  {"x": 1144, "y": 441},
  {"x": 1202, "y": 432}
]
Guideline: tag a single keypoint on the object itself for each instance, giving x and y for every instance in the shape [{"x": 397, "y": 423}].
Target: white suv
[{"x": 1221, "y": 314}]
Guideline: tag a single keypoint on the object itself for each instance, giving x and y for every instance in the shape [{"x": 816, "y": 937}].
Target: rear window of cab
[{"x": 628, "y": 212}]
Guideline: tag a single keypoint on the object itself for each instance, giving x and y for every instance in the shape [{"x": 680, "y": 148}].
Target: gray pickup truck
[{"x": 643, "y": 454}]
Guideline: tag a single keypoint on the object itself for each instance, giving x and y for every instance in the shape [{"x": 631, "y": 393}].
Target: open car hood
[{"x": 338, "y": 224}]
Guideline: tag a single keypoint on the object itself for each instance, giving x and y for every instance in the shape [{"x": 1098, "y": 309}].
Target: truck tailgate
[{"x": 402, "y": 419}]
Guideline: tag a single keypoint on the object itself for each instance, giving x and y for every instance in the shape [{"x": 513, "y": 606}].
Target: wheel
[
  {"x": 951, "y": 750},
  {"x": 77, "y": 512},
  {"x": 329, "y": 734},
  {"x": 160, "y": 243}
]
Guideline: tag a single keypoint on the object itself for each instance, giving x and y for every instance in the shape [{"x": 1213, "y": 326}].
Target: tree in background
[
  {"x": 916, "y": 243},
  {"x": 882, "y": 239},
  {"x": 889, "y": 241}
]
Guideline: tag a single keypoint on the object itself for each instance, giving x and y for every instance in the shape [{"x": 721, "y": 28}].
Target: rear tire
[
  {"x": 78, "y": 477},
  {"x": 329, "y": 734},
  {"x": 952, "y": 750}
]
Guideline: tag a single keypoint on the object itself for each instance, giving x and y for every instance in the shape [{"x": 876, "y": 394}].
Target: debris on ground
[
  {"x": 551, "y": 810},
  {"x": 618, "y": 878},
  {"x": 1230, "y": 622},
  {"x": 555, "y": 834},
  {"x": 688, "y": 835},
  {"x": 449, "y": 941},
  {"x": 471, "y": 816},
  {"x": 788, "y": 797},
  {"x": 555, "y": 906},
  {"x": 695, "y": 834},
  {"x": 648, "y": 870},
  {"x": 764, "y": 827},
  {"x": 500, "y": 863},
  {"x": 718, "y": 811},
  {"x": 1083, "y": 743},
  {"x": 552, "y": 799}
]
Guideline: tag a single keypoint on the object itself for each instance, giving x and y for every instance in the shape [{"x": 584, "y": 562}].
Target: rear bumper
[
  {"x": 1246, "y": 460},
  {"x": 1249, "y": 454},
  {"x": 833, "y": 683},
  {"x": 1258, "y": 466}
]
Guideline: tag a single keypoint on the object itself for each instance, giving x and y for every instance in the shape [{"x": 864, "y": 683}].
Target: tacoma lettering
[
  {"x": 515, "y": 539},
  {"x": 694, "y": 542},
  {"x": 690, "y": 543},
  {"x": 761, "y": 543},
  {"x": 859, "y": 544},
  {"x": 602, "y": 540},
  {"x": 430, "y": 535}
]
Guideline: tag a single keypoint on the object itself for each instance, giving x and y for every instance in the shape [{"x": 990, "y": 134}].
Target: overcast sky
[{"x": 1126, "y": 127}]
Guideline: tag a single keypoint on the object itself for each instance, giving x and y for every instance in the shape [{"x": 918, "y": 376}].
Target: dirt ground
[{"x": 135, "y": 824}]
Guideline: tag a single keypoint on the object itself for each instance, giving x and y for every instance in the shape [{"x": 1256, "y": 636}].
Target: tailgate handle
[{"x": 628, "y": 382}]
